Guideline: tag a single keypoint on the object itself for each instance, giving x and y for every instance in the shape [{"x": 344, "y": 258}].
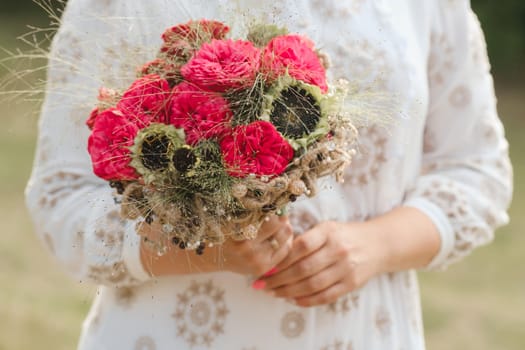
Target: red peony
[
  {"x": 201, "y": 114},
  {"x": 256, "y": 148},
  {"x": 180, "y": 32},
  {"x": 147, "y": 95},
  {"x": 160, "y": 67},
  {"x": 109, "y": 143},
  {"x": 294, "y": 54},
  {"x": 90, "y": 122},
  {"x": 179, "y": 50},
  {"x": 182, "y": 40},
  {"x": 193, "y": 30},
  {"x": 223, "y": 65},
  {"x": 215, "y": 29}
]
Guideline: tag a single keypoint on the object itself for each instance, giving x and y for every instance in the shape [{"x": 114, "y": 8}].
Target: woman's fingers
[
  {"x": 257, "y": 256},
  {"x": 323, "y": 297},
  {"x": 270, "y": 227},
  {"x": 304, "y": 245},
  {"x": 302, "y": 269},
  {"x": 310, "y": 285},
  {"x": 285, "y": 245}
]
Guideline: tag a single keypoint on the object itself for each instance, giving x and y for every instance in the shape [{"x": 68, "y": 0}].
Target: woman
[{"x": 423, "y": 192}]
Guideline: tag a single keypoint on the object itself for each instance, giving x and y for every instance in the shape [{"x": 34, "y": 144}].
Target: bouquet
[{"x": 215, "y": 134}]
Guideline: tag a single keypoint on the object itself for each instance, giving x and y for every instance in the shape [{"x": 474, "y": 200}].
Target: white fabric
[
  {"x": 443, "y": 225},
  {"x": 443, "y": 153}
]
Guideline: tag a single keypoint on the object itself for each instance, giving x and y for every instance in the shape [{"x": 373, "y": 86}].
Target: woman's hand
[
  {"x": 249, "y": 257},
  {"x": 335, "y": 258},
  {"x": 326, "y": 262},
  {"x": 257, "y": 256}
]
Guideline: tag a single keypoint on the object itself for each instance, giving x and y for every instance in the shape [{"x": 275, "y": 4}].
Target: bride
[{"x": 339, "y": 271}]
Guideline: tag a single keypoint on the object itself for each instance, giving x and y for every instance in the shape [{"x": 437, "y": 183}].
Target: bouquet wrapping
[{"x": 217, "y": 133}]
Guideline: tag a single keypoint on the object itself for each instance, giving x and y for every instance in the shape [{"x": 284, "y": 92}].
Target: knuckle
[
  {"x": 302, "y": 245},
  {"x": 341, "y": 251}
]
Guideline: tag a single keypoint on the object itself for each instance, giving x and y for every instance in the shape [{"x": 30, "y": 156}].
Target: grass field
[{"x": 478, "y": 304}]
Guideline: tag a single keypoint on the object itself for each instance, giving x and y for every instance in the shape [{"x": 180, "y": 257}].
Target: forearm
[
  {"x": 174, "y": 260},
  {"x": 407, "y": 237},
  {"x": 177, "y": 261}
]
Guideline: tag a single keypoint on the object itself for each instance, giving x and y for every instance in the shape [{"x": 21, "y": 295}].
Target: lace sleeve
[
  {"x": 466, "y": 182},
  {"x": 74, "y": 211}
]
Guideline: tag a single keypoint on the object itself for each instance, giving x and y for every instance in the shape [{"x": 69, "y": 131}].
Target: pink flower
[
  {"x": 109, "y": 143},
  {"x": 201, "y": 114},
  {"x": 223, "y": 65},
  {"x": 108, "y": 96},
  {"x": 294, "y": 54},
  {"x": 147, "y": 95},
  {"x": 256, "y": 148}
]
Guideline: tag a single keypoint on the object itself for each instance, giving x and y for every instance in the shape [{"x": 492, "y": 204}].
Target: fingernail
[
  {"x": 258, "y": 285},
  {"x": 272, "y": 271},
  {"x": 291, "y": 301}
]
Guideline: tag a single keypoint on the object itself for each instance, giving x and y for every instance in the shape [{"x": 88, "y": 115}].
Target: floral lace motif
[
  {"x": 470, "y": 229},
  {"x": 97, "y": 251}
]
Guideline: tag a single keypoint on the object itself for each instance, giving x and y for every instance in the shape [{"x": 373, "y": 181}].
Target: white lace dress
[{"x": 444, "y": 153}]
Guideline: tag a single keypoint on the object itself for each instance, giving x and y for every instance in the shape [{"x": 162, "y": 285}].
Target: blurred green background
[{"x": 477, "y": 304}]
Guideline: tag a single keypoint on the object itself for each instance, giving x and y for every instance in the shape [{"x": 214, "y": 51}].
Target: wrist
[
  {"x": 405, "y": 237},
  {"x": 380, "y": 249}
]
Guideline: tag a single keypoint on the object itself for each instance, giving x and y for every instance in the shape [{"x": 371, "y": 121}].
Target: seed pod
[
  {"x": 239, "y": 190},
  {"x": 297, "y": 187}
]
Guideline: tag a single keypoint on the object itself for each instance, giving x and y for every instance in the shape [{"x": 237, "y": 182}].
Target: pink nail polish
[
  {"x": 258, "y": 285},
  {"x": 272, "y": 271}
]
